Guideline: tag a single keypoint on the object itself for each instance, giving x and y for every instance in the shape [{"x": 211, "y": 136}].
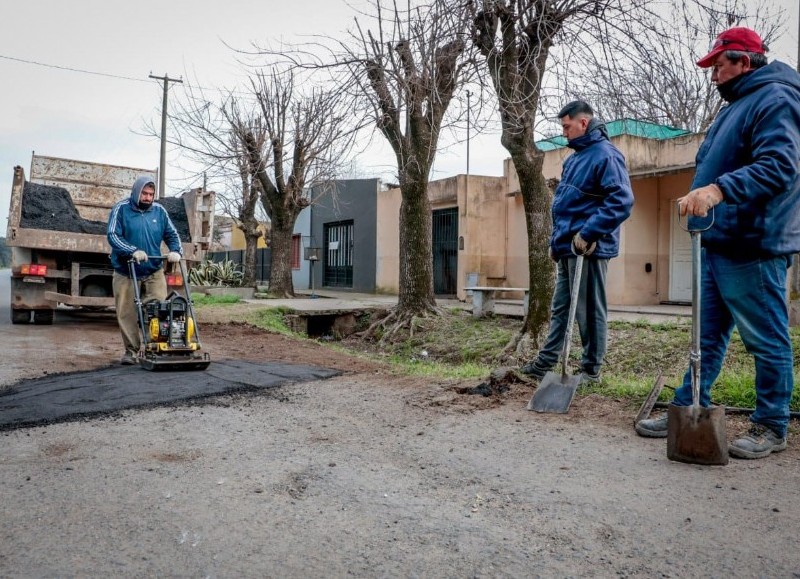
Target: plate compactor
[{"x": 170, "y": 340}]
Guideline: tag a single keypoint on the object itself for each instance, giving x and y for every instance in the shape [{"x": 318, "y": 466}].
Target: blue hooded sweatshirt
[
  {"x": 130, "y": 228},
  {"x": 594, "y": 196},
  {"x": 752, "y": 152}
]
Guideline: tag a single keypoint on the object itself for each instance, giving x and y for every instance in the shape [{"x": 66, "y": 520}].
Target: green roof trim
[{"x": 643, "y": 129}]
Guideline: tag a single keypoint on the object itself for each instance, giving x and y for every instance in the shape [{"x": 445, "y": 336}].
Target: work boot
[
  {"x": 652, "y": 427},
  {"x": 533, "y": 370},
  {"x": 588, "y": 379},
  {"x": 128, "y": 359},
  {"x": 759, "y": 442}
]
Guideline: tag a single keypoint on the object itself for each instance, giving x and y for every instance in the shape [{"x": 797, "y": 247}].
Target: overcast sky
[{"x": 59, "y": 112}]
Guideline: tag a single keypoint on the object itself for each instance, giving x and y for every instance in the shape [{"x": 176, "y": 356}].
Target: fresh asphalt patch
[{"x": 78, "y": 395}]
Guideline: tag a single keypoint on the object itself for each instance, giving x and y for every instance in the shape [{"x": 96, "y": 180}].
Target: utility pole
[
  {"x": 469, "y": 94},
  {"x": 163, "y": 162}
]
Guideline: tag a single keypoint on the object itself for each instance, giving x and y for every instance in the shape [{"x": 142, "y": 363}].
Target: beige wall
[
  {"x": 661, "y": 171},
  {"x": 387, "y": 268},
  {"x": 483, "y": 223},
  {"x": 492, "y": 222}
]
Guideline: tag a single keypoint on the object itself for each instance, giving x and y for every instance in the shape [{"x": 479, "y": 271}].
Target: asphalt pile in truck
[
  {"x": 177, "y": 213},
  {"x": 51, "y": 208}
]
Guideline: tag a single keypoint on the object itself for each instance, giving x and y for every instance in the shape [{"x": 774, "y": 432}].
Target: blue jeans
[
  {"x": 591, "y": 314},
  {"x": 750, "y": 293}
]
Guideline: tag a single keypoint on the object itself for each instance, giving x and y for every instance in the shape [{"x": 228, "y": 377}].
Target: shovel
[
  {"x": 695, "y": 434},
  {"x": 555, "y": 393}
]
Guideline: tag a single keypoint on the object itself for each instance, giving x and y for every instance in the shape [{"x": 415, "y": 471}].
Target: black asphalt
[{"x": 63, "y": 397}]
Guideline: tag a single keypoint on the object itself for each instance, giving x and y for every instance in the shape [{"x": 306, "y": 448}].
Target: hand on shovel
[
  {"x": 698, "y": 202},
  {"x": 582, "y": 247}
]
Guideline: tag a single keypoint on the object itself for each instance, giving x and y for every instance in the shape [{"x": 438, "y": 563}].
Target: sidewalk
[{"x": 331, "y": 302}]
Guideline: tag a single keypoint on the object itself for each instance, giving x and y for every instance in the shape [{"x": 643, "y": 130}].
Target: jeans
[
  {"x": 591, "y": 314},
  {"x": 750, "y": 293}
]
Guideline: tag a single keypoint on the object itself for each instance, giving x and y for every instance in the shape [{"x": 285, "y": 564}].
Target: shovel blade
[
  {"x": 554, "y": 394},
  {"x": 697, "y": 435}
]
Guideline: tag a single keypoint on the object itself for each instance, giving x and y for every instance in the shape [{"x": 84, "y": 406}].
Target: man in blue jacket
[
  {"x": 747, "y": 171},
  {"x": 590, "y": 203},
  {"x": 136, "y": 228}
]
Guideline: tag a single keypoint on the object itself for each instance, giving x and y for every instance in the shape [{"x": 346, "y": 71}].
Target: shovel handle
[
  {"x": 694, "y": 354},
  {"x": 573, "y": 307},
  {"x": 687, "y": 228}
]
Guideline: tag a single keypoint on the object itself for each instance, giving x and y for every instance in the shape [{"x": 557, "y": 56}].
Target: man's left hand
[
  {"x": 700, "y": 201},
  {"x": 173, "y": 257},
  {"x": 581, "y": 246}
]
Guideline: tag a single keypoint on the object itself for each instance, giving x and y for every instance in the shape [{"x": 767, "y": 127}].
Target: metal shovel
[
  {"x": 695, "y": 434},
  {"x": 555, "y": 393}
]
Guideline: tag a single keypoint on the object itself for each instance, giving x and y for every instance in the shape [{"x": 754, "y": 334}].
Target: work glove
[
  {"x": 139, "y": 256},
  {"x": 173, "y": 257},
  {"x": 582, "y": 247},
  {"x": 699, "y": 201}
]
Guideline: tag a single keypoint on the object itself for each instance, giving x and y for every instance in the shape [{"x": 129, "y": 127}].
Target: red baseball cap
[{"x": 740, "y": 38}]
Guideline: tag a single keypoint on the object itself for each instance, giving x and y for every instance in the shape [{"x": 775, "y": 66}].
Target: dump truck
[{"x": 57, "y": 233}]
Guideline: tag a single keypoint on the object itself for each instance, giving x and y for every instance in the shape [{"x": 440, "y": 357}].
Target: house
[
  {"x": 343, "y": 234},
  {"x": 230, "y": 237},
  {"x": 480, "y": 234}
]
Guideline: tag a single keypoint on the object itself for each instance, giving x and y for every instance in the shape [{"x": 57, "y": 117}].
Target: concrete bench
[{"x": 483, "y": 298}]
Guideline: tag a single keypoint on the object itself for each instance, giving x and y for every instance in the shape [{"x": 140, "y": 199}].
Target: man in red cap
[{"x": 747, "y": 171}]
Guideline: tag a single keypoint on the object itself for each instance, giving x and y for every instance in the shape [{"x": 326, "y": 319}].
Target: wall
[
  {"x": 356, "y": 200},
  {"x": 237, "y": 237},
  {"x": 484, "y": 224},
  {"x": 387, "y": 258},
  {"x": 301, "y": 278},
  {"x": 661, "y": 171}
]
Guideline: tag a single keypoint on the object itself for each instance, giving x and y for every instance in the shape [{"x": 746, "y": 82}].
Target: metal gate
[
  {"x": 445, "y": 251},
  {"x": 337, "y": 250}
]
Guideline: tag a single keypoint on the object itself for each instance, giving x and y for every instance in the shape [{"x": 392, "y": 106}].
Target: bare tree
[
  {"x": 653, "y": 76},
  {"x": 278, "y": 144},
  {"x": 402, "y": 74},
  {"x": 208, "y": 131},
  {"x": 516, "y": 38},
  {"x": 307, "y": 140}
]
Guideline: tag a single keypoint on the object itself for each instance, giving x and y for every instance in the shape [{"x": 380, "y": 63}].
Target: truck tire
[
  {"x": 20, "y": 316},
  {"x": 43, "y": 317}
]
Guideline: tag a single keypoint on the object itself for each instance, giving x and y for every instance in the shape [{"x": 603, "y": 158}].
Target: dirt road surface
[{"x": 367, "y": 474}]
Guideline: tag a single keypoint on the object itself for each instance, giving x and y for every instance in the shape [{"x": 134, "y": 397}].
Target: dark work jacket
[
  {"x": 593, "y": 198},
  {"x": 752, "y": 152}
]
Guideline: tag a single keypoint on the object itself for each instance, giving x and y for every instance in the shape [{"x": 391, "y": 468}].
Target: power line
[
  {"x": 73, "y": 69},
  {"x": 117, "y": 76}
]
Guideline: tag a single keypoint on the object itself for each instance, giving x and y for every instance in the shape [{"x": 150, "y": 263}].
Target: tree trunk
[
  {"x": 250, "y": 254},
  {"x": 280, "y": 275},
  {"x": 536, "y": 200},
  {"x": 416, "y": 251}
]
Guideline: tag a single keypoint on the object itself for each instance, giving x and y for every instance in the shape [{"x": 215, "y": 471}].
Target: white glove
[
  {"x": 581, "y": 246},
  {"x": 139, "y": 256},
  {"x": 173, "y": 257}
]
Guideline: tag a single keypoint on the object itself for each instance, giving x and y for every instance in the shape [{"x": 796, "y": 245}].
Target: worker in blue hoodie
[
  {"x": 747, "y": 171},
  {"x": 590, "y": 203},
  {"x": 136, "y": 228}
]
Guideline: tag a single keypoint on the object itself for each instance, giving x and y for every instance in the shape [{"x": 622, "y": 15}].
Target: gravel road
[{"x": 368, "y": 474}]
